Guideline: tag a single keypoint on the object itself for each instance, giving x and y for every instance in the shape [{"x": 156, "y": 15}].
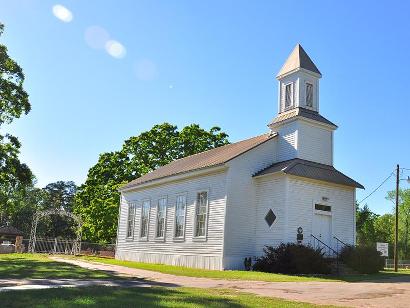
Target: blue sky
[{"x": 211, "y": 63}]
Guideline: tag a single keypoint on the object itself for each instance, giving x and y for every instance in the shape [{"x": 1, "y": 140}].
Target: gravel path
[{"x": 383, "y": 293}]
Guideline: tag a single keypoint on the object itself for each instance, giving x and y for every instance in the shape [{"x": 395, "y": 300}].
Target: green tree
[
  {"x": 365, "y": 221},
  {"x": 97, "y": 199},
  {"x": 13, "y": 98},
  {"x": 58, "y": 195},
  {"x": 15, "y": 177},
  {"x": 23, "y": 201},
  {"x": 404, "y": 219},
  {"x": 384, "y": 228}
]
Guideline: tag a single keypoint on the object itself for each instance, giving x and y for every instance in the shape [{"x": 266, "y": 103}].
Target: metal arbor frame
[{"x": 41, "y": 214}]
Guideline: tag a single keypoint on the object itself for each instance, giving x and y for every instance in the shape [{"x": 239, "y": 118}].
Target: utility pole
[{"x": 396, "y": 233}]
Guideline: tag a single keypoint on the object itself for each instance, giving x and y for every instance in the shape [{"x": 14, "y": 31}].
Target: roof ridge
[
  {"x": 217, "y": 148},
  {"x": 302, "y": 161},
  {"x": 209, "y": 158}
]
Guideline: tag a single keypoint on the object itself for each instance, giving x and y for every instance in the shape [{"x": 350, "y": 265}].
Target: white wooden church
[{"x": 213, "y": 209}]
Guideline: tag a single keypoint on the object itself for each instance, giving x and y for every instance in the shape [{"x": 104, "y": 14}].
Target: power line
[{"x": 377, "y": 187}]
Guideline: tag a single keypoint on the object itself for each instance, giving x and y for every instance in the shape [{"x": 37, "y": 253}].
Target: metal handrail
[
  {"x": 340, "y": 241},
  {"x": 330, "y": 248}
]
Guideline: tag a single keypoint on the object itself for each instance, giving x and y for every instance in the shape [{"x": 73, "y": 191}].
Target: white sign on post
[{"x": 383, "y": 248}]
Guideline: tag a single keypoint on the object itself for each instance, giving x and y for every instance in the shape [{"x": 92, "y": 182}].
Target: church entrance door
[{"x": 322, "y": 228}]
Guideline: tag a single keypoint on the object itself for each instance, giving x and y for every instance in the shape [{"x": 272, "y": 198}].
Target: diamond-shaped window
[{"x": 270, "y": 217}]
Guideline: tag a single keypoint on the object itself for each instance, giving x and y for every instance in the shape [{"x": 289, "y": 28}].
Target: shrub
[
  {"x": 292, "y": 258},
  {"x": 365, "y": 260}
]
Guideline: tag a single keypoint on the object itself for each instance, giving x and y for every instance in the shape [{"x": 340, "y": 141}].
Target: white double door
[{"x": 322, "y": 228}]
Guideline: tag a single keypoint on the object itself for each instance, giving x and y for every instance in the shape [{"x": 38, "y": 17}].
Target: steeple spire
[{"x": 298, "y": 59}]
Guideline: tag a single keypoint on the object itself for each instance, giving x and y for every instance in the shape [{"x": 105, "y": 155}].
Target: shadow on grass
[
  {"x": 17, "y": 266},
  {"x": 137, "y": 297}
]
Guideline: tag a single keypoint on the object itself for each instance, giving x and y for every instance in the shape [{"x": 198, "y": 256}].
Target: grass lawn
[
  {"x": 19, "y": 266},
  {"x": 242, "y": 275},
  {"x": 140, "y": 297}
]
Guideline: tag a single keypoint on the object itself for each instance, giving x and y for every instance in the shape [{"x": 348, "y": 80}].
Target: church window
[
  {"x": 309, "y": 95},
  {"x": 161, "y": 217},
  {"x": 288, "y": 95},
  {"x": 201, "y": 213},
  {"x": 270, "y": 218},
  {"x": 145, "y": 218},
  {"x": 180, "y": 210},
  {"x": 130, "y": 220},
  {"x": 322, "y": 207}
]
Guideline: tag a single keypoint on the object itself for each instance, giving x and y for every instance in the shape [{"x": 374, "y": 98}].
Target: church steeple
[
  {"x": 298, "y": 59},
  {"x": 302, "y": 132},
  {"x": 298, "y": 82}
]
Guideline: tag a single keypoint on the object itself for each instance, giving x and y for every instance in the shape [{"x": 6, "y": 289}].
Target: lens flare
[
  {"x": 96, "y": 37},
  {"x": 62, "y": 13},
  {"x": 115, "y": 49}
]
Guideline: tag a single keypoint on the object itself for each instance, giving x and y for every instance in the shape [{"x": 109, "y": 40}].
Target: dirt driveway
[{"x": 384, "y": 293}]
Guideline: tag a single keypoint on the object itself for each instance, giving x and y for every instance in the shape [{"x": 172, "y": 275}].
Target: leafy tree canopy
[
  {"x": 372, "y": 228},
  {"x": 16, "y": 179},
  {"x": 13, "y": 98},
  {"x": 365, "y": 220},
  {"x": 58, "y": 195},
  {"x": 404, "y": 218},
  {"x": 97, "y": 199}
]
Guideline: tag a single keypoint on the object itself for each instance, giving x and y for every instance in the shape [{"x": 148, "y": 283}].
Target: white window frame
[
  {"x": 165, "y": 219},
  {"x": 145, "y": 238},
  {"x": 201, "y": 237},
  {"x": 313, "y": 94},
  {"x": 292, "y": 94},
  {"x": 182, "y": 237},
  {"x": 131, "y": 207}
]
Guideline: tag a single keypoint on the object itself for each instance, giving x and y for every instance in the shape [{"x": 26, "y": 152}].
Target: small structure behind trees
[{"x": 11, "y": 239}]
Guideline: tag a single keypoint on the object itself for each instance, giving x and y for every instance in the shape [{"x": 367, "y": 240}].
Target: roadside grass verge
[
  {"x": 141, "y": 297},
  {"x": 194, "y": 272},
  {"x": 242, "y": 275},
  {"x": 30, "y": 266}
]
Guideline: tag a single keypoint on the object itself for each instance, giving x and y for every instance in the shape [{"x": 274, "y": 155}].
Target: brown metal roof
[
  {"x": 202, "y": 160},
  {"x": 9, "y": 230},
  {"x": 298, "y": 59},
  {"x": 301, "y": 112},
  {"x": 312, "y": 170}
]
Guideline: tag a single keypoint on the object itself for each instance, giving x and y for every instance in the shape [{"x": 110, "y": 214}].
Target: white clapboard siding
[
  {"x": 315, "y": 143},
  {"x": 301, "y": 197},
  {"x": 241, "y": 203},
  {"x": 288, "y": 138},
  {"x": 192, "y": 253},
  {"x": 271, "y": 194}
]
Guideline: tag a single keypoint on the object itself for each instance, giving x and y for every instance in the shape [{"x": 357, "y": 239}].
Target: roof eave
[
  {"x": 354, "y": 185},
  {"x": 174, "y": 177},
  {"x": 300, "y": 117},
  {"x": 287, "y": 169},
  {"x": 281, "y": 74}
]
